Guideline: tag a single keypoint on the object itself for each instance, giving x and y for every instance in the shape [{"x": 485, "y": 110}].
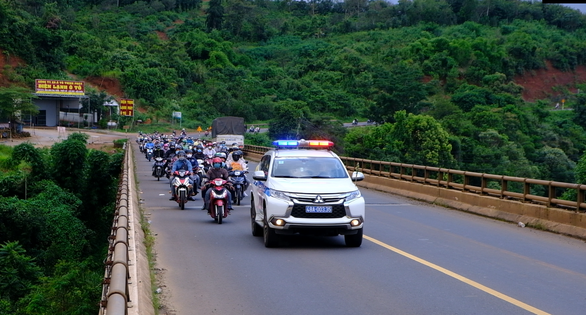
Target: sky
[{"x": 581, "y": 7}]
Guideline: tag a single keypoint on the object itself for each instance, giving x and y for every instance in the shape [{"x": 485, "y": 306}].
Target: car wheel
[
  {"x": 256, "y": 229},
  {"x": 271, "y": 239}
]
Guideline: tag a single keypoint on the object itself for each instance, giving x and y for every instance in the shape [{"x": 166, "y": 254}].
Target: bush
[{"x": 119, "y": 143}]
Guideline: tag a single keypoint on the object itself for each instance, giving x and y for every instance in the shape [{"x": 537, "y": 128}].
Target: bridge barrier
[
  {"x": 126, "y": 288},
  {"x": 513, "y": 199}
]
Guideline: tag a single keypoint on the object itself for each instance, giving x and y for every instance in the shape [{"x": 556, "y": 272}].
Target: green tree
[
  {"x": 555, "y": 165},
  {"x": 398, "y": 89},
  {"x": 215, "y": 15},
  {"x": 28, "y": 153},
  {"x": 18, "y": 272},
  {"x": 288, "y": 120},
  {"x": 580, "y": 110},
  {"x": 69, "y": 164},
  {"x": 421, "y": 140},
  {"x": 73, "y": 289},
  {"x": 95, "y": 102},
  {"x": 14, "y": 102}
]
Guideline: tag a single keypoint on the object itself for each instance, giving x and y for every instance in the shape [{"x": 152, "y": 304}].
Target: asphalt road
[{"x": 415, "y": 259}]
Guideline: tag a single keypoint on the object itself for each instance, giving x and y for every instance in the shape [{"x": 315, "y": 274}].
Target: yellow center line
[{"x": 461, "y": 278}]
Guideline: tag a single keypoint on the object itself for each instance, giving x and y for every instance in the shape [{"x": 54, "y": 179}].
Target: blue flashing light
[{"x": 286, "y": 143}]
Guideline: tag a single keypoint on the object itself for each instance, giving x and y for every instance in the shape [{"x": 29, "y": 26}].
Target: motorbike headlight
[
  {"x": 353, "y": 195},
  {"x": 277, "y": 194}
]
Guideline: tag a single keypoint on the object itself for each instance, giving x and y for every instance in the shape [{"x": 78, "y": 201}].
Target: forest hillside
[{"x": 467, "y": 84}]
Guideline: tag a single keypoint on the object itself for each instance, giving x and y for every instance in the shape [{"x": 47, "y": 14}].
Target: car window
[
  {"x": 308, "y": 168},
  {"x": 264, "y": 164}
]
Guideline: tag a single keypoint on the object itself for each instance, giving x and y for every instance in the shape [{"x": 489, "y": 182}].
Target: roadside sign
[{"x": 126, "y": 107}]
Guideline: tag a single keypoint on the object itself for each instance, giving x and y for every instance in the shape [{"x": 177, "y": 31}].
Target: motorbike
[
  {"x": 218, "y": 200},
  {"x": 159, "y": 170},
  {"x": 355, "y": 122},
  {"x": 238, "y": 179},
  {"x": 182, "y": 187},
  {"x": 141, "y": 147},
  {"x": 149, "y": 154},
  {"x": 168, "y": 167},
  {"x": 201, "y": 171}
]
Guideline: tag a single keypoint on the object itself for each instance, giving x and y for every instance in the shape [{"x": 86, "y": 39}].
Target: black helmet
[{"x": 236, "y": 155}]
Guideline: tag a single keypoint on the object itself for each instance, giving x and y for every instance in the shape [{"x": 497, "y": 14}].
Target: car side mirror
[
  {"x": 259, "y": 175},
  {"x": 357, "y": 176}
]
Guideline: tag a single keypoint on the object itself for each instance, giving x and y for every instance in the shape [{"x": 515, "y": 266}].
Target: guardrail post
[
  {"x": 504, "y": 186},
  {"x": 526, "y": 189},
  {"x": 551, "y": 193},
  {"x": 483, "y": 181},
  {"x": 579, "y": 197}
]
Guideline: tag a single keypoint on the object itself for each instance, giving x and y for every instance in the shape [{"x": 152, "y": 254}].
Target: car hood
[{"x": 313, "y": 185}]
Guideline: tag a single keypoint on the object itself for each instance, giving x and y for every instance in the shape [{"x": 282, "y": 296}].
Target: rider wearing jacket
[
  {"x": 180, "y": 164},
  {"x": 194, "y": 177},
  {"x": 216, "y": 172}
]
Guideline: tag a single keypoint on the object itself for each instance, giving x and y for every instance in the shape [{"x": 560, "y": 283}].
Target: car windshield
[{"x": 325, "y": 167}]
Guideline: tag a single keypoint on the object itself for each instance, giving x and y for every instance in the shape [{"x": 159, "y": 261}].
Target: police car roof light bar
[{"x": 296, "y": 144}]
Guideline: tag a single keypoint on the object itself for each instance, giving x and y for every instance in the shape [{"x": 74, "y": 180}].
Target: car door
[{"x": 260, "y": 186}]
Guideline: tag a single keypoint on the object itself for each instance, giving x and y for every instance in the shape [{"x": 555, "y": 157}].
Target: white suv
[{"x": 301, "y": 187}]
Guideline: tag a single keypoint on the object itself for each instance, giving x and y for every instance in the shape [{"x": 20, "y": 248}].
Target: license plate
[{"x": 318, "y": 209}]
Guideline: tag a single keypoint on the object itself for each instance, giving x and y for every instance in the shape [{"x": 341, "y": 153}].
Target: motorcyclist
[
  {"x": 223, "y": 157},
  {"x": 216, "y": 172},
  {"x": 209, "y": 150},
  {"x": 180, "y": 163},
  {"x": 171, "y": 152},
  {"x": 237, "y": 162},
  {"x": 198, "y": 154},
  {"x": 158, "y": 151},
  {"x": 194, "y": 177}
]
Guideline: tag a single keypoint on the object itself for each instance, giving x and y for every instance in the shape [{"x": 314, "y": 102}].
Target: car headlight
[
  {"x": 277, "y": 194},
  {"x": 353, "y": 195}
]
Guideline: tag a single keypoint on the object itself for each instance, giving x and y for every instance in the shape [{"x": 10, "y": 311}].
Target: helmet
[
  {"x": 199, "y": 150},
  {"x": 181, "y": 154},
  {"x": 166, "y": 145},
  {"x": 221, "y": 155},
  {"x": 236, "y": 155},
  {"x": 188, "y": 153},
  {"x": 217, "y": 162}
]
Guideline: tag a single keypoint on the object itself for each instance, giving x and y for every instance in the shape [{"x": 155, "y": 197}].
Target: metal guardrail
[
  {"x": 498, "y": 186},
  {"x": 115, "y": 294}
]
